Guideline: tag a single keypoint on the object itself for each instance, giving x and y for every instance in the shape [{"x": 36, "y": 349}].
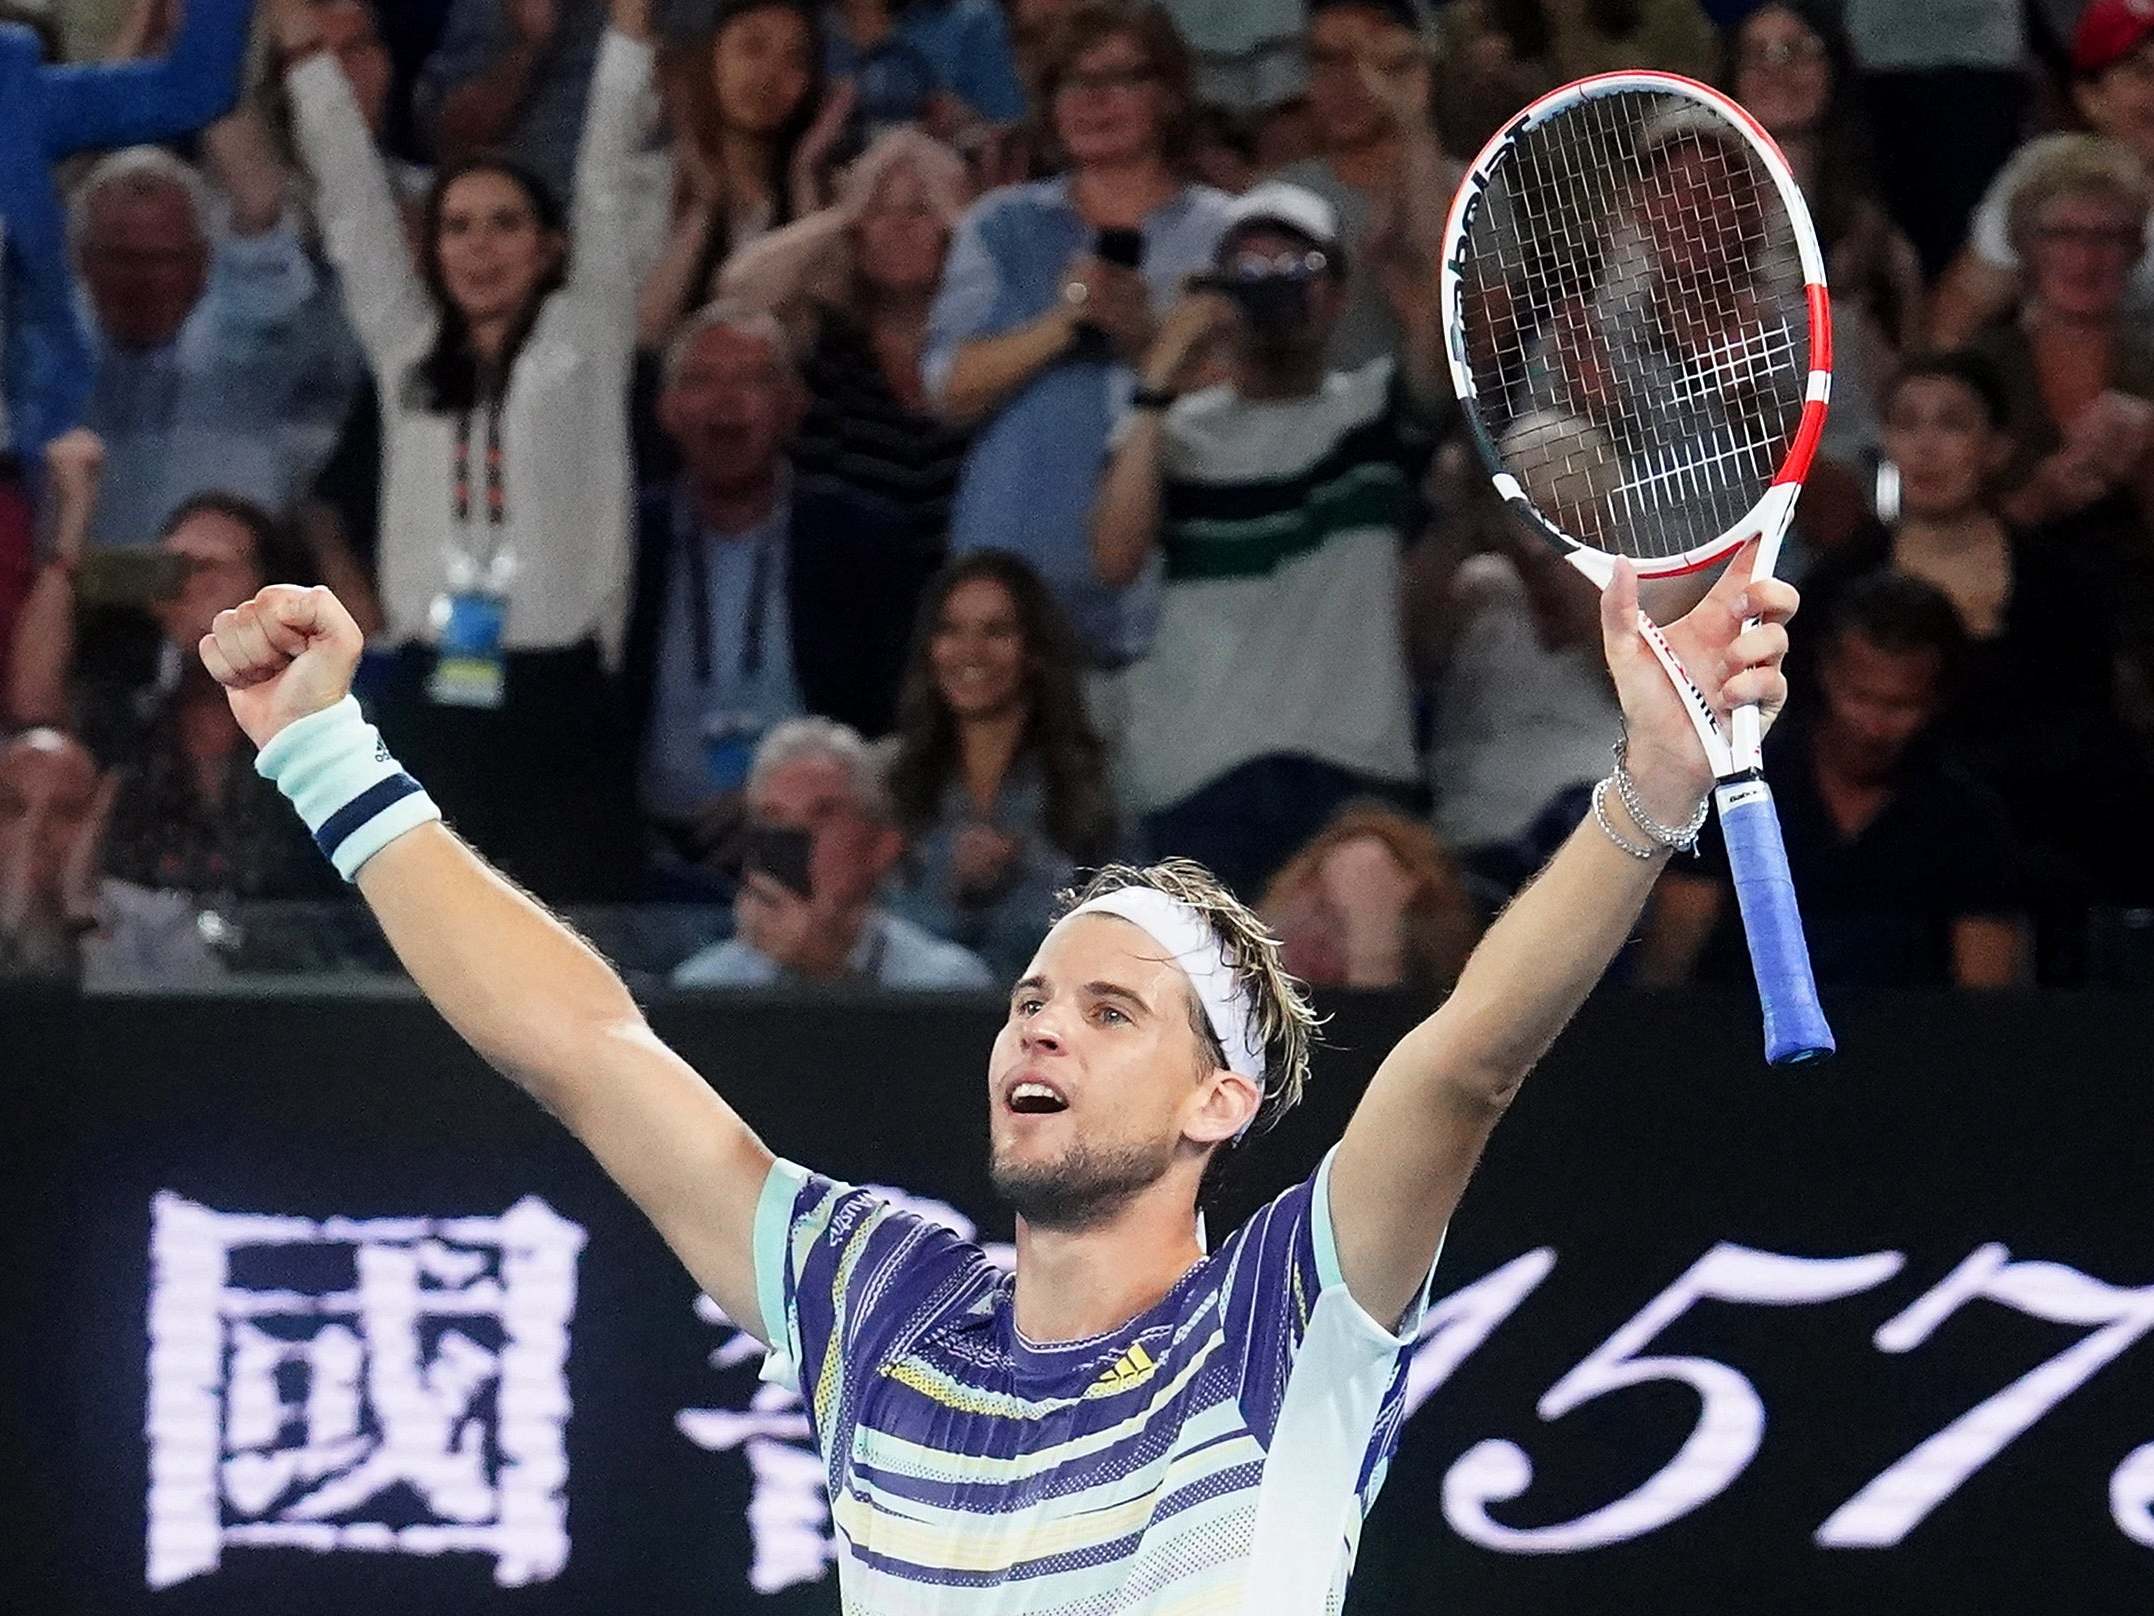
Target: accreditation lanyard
[
  {"x": 760, "y": 565},
  {"x": 480, "y": 569}
]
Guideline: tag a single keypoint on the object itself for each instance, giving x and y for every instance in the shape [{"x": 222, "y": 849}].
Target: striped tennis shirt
[{"x": 1216, "y": 1454}]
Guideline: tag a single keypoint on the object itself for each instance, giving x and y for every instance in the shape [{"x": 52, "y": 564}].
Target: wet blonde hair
[{"x": 1286, "y": 1023}]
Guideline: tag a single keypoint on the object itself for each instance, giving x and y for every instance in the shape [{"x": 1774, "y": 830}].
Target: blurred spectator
[
  {"x": 1607, "y": 36},
  {"x": 1494, "y": 56},
  {"x": 822, "y": 840},
  {"x": 1048, "y": 297},
  {"x": 1944, "y": 83},
  {"x": 1379, "y": 159},
  {"x": 502, "y": 360},
  {"x": 1907, "y": 870},
  {"x": 946, "y": 64},
  {"x": 2113, "y": 90},
  {"x": 51, "y": 799},
  {"x": 1025, "y": 150},
  {"x": 999, "y": 779},
  {"x": 854, "y": 284},
  {"x": 49, "y": 112},
  {"x": 119, "y": 669},
  {"x": 2034, "y": 712},
  {"x": 1508, "y": 643},
  {"x": 758, "y": 598},
  {"x": 1789, "y": 64},
  {"x": 2079, "y": 374},
  {"x": 1276, "y": 689},
  {"x": 514, "y": 76},
  {"x": 1245, "y": 55},
  {"x": 200, "y": 351},
  {"x": 1373, "y": 902},
  {"x": 754, "y": 136}
]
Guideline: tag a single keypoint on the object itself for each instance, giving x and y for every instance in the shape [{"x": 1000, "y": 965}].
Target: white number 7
[
  {"x": 1899, "y": 1500},
  {"x": 1731, "y": 1418}
]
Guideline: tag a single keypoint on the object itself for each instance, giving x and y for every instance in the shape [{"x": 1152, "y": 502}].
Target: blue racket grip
[{"x": 1795, "y": 1027}]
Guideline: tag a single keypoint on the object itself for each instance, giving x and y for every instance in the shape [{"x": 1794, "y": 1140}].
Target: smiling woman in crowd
[
  {"x": 502, "y": 358},
  {"x": 999, "y": 778}
]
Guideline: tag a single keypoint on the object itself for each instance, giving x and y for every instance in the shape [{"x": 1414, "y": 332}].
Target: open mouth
[{"x": 1034, "y": 1099}]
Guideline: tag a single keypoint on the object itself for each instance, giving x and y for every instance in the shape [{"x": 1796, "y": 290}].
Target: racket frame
[{"x": 1795, "y": 1027}]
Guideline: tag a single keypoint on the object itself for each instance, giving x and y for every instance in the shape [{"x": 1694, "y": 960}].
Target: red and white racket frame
[{"x": 1767, "y": 520}]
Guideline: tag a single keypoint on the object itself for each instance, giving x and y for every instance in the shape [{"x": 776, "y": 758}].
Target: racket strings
[{"x": 1635, "y": 329}]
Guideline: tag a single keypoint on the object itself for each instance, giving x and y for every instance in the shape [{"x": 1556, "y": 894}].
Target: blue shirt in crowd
[
  {"x": 1034, "y": 468},
  {"x": 891, "y": 953},
  {"x": 716, "y": 696},
  {"x": 234, "y": 403},
  {"x": 962, "y": 46},
  {"x": 48, "y": 112}
]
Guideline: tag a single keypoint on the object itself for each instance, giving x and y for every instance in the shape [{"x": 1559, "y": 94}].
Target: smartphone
[
  {"x": 130, "y": 575},
  {"x": 780, "y": 852},
  {"x": 1124, "y": 247}
]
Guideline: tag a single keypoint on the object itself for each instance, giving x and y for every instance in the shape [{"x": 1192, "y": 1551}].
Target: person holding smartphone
[
  {"x": 102, "y": 654},
  {"x": 1049, "y": 299},
  {"x": 821, "y": 840}
]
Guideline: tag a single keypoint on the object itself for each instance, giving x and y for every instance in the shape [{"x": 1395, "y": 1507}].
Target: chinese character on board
[{"x": 392, "y": 1385}]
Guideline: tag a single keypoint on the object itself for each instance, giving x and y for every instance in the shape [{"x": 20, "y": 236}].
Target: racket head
[{"x": 1636, "y": 324}]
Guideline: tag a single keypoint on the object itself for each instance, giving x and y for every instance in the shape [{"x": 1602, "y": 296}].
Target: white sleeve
[
  {"x": 601, "y": 268},
  {"x": 360, "y": 220}
]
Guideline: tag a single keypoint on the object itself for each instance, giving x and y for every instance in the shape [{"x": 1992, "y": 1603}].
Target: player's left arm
[{"x": 1421, "y": 1127}]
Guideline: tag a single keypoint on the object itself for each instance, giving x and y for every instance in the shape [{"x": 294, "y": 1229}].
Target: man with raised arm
[{"x": 1129, "y": 1424}]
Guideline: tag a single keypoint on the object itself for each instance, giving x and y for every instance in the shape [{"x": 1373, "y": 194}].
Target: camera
[{"x": 1273, "y": 295}]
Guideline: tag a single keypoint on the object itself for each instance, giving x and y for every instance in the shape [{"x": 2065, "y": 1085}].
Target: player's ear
[{"x": 1230, "y": 1102}]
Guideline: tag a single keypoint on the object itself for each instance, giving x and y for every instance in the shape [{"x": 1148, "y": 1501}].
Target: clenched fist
[{"x": 282, "y": 655}]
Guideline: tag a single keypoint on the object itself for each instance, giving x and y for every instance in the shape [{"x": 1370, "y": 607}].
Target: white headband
[{"x": 1188, "y": 938}]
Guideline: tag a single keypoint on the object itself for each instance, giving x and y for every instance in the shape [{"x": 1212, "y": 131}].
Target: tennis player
[{"x": 1129, "y": 1424}]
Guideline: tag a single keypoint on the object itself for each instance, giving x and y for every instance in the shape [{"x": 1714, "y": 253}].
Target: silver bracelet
[
  {"x": 1607, "y": 825},
  {"x": 1684, "y": 840}
]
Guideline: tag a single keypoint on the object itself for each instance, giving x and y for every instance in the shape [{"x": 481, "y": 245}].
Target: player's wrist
[{"x": 334, "y": 768}]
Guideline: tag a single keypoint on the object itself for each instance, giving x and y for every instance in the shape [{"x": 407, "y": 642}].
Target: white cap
[{"x": 1295, "y": 206}]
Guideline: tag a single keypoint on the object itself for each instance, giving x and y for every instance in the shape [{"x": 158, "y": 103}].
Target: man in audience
[
  {"x": 1276, "y": 689},
  {"x": 756, "y": 601},
  {"x": 822, "y": 838},
  {"x": 1379, "y": 160},
  {"x": 61, "y": 916},
  {"x": 2113, "y": 88},
  {"x": 513, "y": 75},
  {"x": 202, "y": 348},
  {"x": 1905, "y": 864}
]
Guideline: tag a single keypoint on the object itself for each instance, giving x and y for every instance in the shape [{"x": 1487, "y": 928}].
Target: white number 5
[{"x": 1731, "y": 1418}]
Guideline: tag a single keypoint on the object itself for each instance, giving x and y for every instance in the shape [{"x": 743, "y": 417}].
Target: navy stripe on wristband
[{"x": 340, "y": 825}]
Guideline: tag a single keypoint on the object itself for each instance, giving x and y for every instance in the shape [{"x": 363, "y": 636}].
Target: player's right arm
[{"x": 521, "y": 988}]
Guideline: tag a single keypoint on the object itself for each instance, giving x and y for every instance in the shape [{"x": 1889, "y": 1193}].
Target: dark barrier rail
[{"x": 315, "y": 1315}]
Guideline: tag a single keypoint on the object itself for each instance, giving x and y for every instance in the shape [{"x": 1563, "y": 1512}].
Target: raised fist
[{"x": 282, "y": 655}]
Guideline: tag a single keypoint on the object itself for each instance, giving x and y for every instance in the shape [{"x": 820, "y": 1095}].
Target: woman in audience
[
  {"x": 854, "y": 284},
  {"x": 502, "y": 358},
  {"x": 1049, "y": 293},
  {"x": 999, "y": 779},
  {"x": 753, "y": 137},
  {"x": 2034, "y": 708},
  {"x": 1788, "y": 62},
  {"x": 2080, "y": 375},
  {"x": 1373, "y": 902}
]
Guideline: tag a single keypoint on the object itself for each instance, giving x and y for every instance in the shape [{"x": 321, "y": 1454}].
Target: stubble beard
[{"x": 1082, "y": 1188}]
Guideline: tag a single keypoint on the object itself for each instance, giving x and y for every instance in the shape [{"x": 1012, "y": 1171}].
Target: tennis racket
[{"x": 1635, "y": 319}]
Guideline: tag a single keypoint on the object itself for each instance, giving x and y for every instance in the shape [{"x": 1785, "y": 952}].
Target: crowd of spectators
[{"x": 841, "y": 467}]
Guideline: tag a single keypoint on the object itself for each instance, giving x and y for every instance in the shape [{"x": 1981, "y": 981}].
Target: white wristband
[{"x": 355, "y": 798}]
